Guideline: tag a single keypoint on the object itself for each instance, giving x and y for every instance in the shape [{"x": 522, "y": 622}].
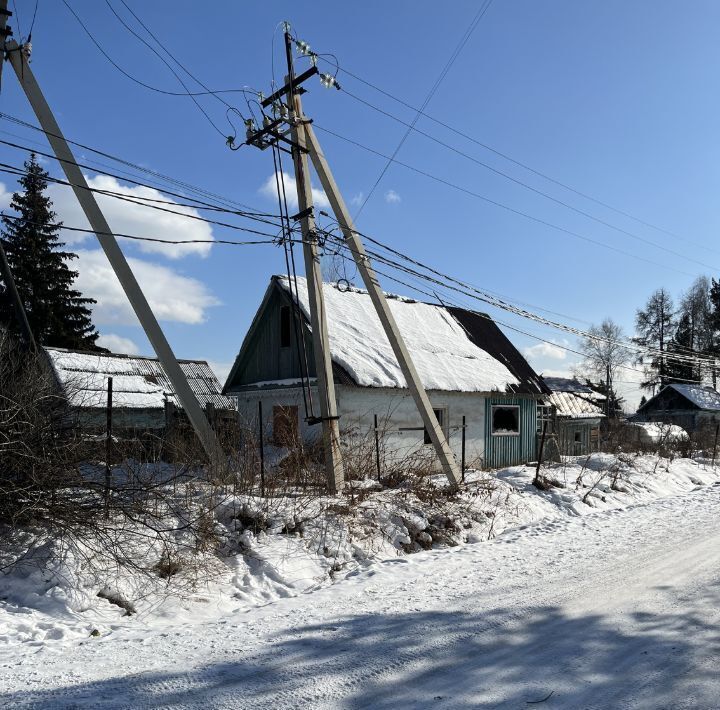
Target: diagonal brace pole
[
  {"x": 114, "y": 254},
  {"x": 369, "y": 277}
]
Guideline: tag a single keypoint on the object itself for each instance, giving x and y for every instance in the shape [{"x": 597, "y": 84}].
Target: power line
[
  {"x": 167, "y": 64},
  {"x": 599, "y": 220},
  {"x": 501, "y": 205},
  {"x": 456, "y": 53},
  {"x": 507, "y": 157},
  {"x": 142, "y": 83},
  {"x": 158, "y": 176},
  {"x": 158, "y": 240}
]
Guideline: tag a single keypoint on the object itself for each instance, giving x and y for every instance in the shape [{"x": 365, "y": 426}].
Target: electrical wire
[
  {"x": 501, "y": 205},
  {"x": 496, "y": 171},
  {"x": 207, "y": 194},
  {"x": 508, "y": 157},
  {"x": 167, "y": 64},
  {"x": 142, "y": 83},
  {"x": 456, "y": 53}
]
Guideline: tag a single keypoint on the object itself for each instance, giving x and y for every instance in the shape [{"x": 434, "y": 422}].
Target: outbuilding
[
  {"x": 690, "y": 406},
  {"x": 573, "y": 415},
  {"x": 470, "y": 370}
]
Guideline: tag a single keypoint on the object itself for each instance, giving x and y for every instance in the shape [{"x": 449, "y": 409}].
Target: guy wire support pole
[
  {"x": 318, "y": 321},
  {"x": 354, "y": 243},
  {"x": 15, "y": 54}
]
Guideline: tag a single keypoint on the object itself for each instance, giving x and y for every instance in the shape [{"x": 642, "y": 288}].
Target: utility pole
[
  {"x": 318, "y": 321},
  {"x": 354, "y": 243},
  {"x": 15, "y": 54}
]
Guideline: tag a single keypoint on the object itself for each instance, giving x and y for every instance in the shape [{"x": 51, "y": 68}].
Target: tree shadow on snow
[{"x": 493, "y": 659}]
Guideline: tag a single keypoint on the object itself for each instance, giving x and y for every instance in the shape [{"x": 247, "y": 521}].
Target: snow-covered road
[{"x": 620, "y": 609}]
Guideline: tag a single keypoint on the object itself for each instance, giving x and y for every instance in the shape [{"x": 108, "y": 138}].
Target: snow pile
[
  {"x": 657, "y": 433},
  {"x": 443, "y": 354},
  {"x": 274, "y": 548}
]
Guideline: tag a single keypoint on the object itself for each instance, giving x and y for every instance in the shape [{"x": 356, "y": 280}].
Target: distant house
[
  {"x": 143, "y": 397},
  {"x": 574, "y": 415},
  {"x": 468, "y": 367},
  {"x": 690, "y": 406}
]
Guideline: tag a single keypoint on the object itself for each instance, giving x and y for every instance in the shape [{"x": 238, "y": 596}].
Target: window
[
  {"x": 285, "y": 424},
  {"x": 285, "y": 326},
  {"x": 441, "y": 416},
  {"x": 505, "y": 420},
  {"x": 544, "y": 417}
]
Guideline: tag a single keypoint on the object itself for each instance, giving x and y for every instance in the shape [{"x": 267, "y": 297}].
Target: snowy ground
[{"x": 601, "y": 605}]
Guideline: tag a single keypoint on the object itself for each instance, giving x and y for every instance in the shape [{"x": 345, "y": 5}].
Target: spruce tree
[
  {"x": 654, "y": 327},
  {"x": 58, "y": 313}
]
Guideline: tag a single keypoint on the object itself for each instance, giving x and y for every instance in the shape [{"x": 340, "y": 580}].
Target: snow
[
  {"x": 574, "y": 406},
  {"x": 491, "y": 624},
  {"x": 702, "y": 396},
  {"x": 443, "y": 355},
  {"x": 656, "y": 433}
]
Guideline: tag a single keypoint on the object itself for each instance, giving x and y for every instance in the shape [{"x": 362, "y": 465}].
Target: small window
[
  {"x": 505, "y": 420},
  {"x": 285, "y": 326},
  {"x": 441, "y": 416},
  {"x": 544, "y": 417},
  {"x": 578, "y": 437},
  {"x": 285, "y": 425}
]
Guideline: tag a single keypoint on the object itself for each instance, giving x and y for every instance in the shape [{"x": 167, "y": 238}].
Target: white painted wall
[{"x": 395, "y": 410}]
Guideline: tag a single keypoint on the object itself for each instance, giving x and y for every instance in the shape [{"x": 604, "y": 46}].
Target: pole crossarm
[{"x": 115, "y": 256}]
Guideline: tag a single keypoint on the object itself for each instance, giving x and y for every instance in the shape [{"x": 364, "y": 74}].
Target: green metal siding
[{"x": 511, "y": 450}]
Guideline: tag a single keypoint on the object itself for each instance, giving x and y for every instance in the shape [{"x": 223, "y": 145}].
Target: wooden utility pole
[
  {"x": 354, "y": 243},
  {"x": 120, "y": 266},
  {"x": 318, "y": 320}
]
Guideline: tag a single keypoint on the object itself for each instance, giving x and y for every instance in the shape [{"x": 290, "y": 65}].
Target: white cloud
[
  {"x": 269, "y": 189},
  {"x": 173, "y": 297},
  {"x": 392, "y": 197},
  {"x": 132, "y": 218},
  {"x": 118, "y": 344},
  {"x": 5, "y": 197},
  {"x": 357, "y": 199},
  {"x": 549, "y": 351}
]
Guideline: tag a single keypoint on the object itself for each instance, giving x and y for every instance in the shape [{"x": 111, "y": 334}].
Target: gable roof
[
  {"x": 701, "y": 396},
  {"x": 452, "y": 349},
  {"x": 138, "y": 382}
]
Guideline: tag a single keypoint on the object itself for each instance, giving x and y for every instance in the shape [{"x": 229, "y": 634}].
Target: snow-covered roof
[
  {"x": 702, "y": 396},
  {"x": 574, "y": 405},
  {"x": 138, "y": 382},
  {"x": 443, "y": 353}
]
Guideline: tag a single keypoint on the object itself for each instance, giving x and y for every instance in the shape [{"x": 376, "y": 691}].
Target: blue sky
[{"x": 614, "y": 99}]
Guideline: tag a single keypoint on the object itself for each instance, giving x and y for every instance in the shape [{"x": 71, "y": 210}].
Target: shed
[
  {"x": 467, "y": 365},
  {"x": 143, "y": 396},
  {"x": 691, "y": 406},
  {"x": 574, "y": 415}
]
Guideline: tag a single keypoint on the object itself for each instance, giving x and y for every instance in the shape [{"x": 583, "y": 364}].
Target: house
[
  {"x": 470, "y": 370},
  {"x": 691, "y": 406},
  {"x": 574, "y": 415},
  {"x": 143, "y": 397}
]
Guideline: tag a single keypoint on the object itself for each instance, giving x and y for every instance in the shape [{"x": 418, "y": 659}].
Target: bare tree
[{"x": 604, "y": 354}]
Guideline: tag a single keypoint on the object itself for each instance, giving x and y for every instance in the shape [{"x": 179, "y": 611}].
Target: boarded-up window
[
  {"x": 505, "y": 420},
  {"x": 285, "y": 424},
  {"x": 284, "y": 326},
  {"x": 441, "y": 416}
]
